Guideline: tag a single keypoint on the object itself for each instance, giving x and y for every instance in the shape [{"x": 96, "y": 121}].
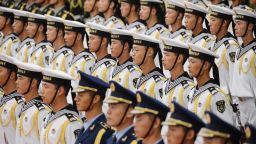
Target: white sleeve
[
  {"x": 72, "y": 132},
  {"x": 220, "y": 106}
]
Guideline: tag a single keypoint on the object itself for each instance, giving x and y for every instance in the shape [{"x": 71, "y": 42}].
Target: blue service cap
[
  {"x": 182, "y": 116},
  {"x": 119, "y": 94},
  {"x": 217, "y": 127},
  {"x": 91, "y": 83},
  {"x": 147, "y": 104}
]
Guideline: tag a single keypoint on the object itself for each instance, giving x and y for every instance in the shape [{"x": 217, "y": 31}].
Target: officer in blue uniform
[
  {"x": 90, "y": 95},
  {"x": 149, "y": 114},
  {"x": 121, "y": 102},
  {"x": 183, "y": 125},
  {"x": 218, "y": 131}
]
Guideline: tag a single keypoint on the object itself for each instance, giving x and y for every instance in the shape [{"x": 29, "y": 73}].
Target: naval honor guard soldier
[
  {"x": 19, "y": 27},
  {"x": 111, "y": 12},
  {"x": 125, "y": 72},
  {"x": 10, "y": 41},
  {"x": 62, "y": 124},
  {"x": 121, "y": 102},
  {"x": 194, "y": 17},
  {"x": 225, "y": 45},
  {"x": 206, "y": 95},
  {"x": 99, "y": 38},
  {"x": 149, "y": 114},
  {"x": 129, "y": 10},
  {"x": 244, "y": 76},
  {"x": 183, "y": 125},
  {"x": 152, "y": 12},
  {"x": 173, "y": 18},
  {"x": 62, "y": 55},
  {"x": 218, "y": 131},
  {"x": 90, "y": 94},
  {"x": 145, "y": 48},
  {"x": 42, "y": 52},
  {"x": 179, "y": 85},
  {"x": 33, "y": 111},
  {"x": 11, "y": 102},
  {"x": 83, "y": 60}
]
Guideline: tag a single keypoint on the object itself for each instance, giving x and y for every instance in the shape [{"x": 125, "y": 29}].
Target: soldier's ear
[
  {"x": 61, "y": 91},
  {"x": 157, "y": 123},
  {"x": 112, "y": 4},
  {"x": 250, "y": 27},
  {"x": 153, "y": 10},
  {"x": 129, "y": 114},
  {"x": 180, "y": 16},
  {"x": 34, "y": 83},
  {"x": 190, "y": 135},
  {"x": 41, "y": 27},
  {"x": 13, "y": 75},
  {"x": 79, "y": 36},
  {"x": 150, "y": 51},
  {"x": 96, "y": 98},
  {"x": 126, "y": 46}
]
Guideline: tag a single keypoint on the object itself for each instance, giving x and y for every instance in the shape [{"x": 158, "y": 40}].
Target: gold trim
[
  {"x": 146, "y": 110},
  {"x": 172, "y": 121},
  {"x": 88, "y": 88},
  {"x": 120, "y": 99},
  {"x": 210, "y": 133}
]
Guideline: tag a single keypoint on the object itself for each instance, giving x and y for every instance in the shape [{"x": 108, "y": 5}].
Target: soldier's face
[
  {"x": 170, "y": 16},
  {"x": 142, "y": 124},
  {"x": 69, "y": 37},
  {"x": 83, "y": 100},
  {"x": 48, "y": 92},
  {"x": 103, "y": 5},
  {"x": 215, "y": 25},
  {"x": 18, "y": 26},
  {"x": 116, "y": 48},
  {"x": 138, "y": 53},
  {"x": 115, "y": 113},
  {"x": 22, "y": 84},
  {"x": 190, "y": 21},
  {"x": 51, "y": 33},
  {"x": 125, "y": 9},
  {"x": 169, "y": 60},
  {"x": 31, "y": 29},
  {"x": 175, "y": 134},
  {"x": 2, "y": 21},
  {"x": 88, "y": 5},
  {"x": 94, "y": 42},
  {"x": 4, "y": 73},
  {"x": 144, "y": 12},
  {"x": 194, "y": 66},
  {"x": 214, "y": 140},
  {"x": 240, "y": 27}
]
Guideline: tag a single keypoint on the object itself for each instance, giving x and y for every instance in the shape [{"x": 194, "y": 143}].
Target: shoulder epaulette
[
  {"x": 18, "y": 99},
  {"x": 39, "y": 105},
  {"x": 71, "y": 117},
  {"x": 213, "y": 90},
  {"x": 108, "y": 64},
  {"x": 130, "y": 68},
  {"x": 157, "y": 78},
  {"x": 184, "y": 84},
  {"x": 105, "y": 126}
]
